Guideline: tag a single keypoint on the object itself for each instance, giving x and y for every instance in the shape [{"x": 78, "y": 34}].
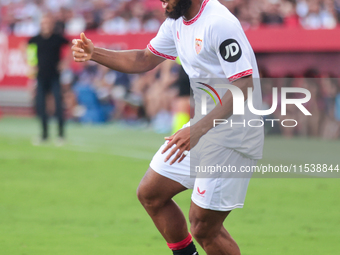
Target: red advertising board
[{"x": 13, "y": 67}]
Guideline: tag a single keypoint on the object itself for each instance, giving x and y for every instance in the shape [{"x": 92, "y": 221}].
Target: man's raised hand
[{"x": 82, "y": 49}]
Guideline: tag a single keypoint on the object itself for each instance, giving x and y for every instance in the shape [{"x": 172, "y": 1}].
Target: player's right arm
[{"x": 127, "y": 61}]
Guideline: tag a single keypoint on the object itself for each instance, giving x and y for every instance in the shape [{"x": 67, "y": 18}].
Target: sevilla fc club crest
[{"x": 198, "y": 45}]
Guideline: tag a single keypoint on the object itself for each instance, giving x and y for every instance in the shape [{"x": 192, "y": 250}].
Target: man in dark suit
[{"x": 48, "y": 47}]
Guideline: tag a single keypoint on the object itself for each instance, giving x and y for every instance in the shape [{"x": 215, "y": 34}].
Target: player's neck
[{"x": 194, "y": 9}]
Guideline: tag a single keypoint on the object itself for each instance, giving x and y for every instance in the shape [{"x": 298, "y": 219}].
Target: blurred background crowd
[
  {"x": 95, "y": 94},
  {"x": 309, "y": 14},
  {"x": 324, "y": 105},
  {"x": 21, "y": 17}
]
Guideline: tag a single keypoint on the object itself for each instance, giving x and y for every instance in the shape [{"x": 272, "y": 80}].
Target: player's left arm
[
  {"x": 233, "y": 52},
  {"x": 187, "y": 138},
  {"x": 223, "y": 111}
]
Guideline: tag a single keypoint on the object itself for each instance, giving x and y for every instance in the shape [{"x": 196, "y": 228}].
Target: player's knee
[
  {"x": 142, "y": 194},
  {"x": 202, "y": 228},
  {"x": 149, "y": 199},
  {"x": 199, "y": 229}
]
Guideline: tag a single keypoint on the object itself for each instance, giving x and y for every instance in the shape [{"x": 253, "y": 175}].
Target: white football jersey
[{"x": 213, "y": 49}]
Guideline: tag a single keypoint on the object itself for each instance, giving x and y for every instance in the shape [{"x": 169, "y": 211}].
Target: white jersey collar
[{"x": 194, "y": 19}]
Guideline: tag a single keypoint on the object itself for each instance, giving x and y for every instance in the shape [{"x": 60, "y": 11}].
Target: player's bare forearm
[
  {"x": 128, "y": 61},
  {"x": 223, "y": 111}
]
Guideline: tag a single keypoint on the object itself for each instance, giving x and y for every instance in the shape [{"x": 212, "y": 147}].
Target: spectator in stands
[
  {"x": 113, "y": 23},
  {"x": 155, "y": 90},
  {"x": 60, "y": 21},
  {"x": 330, "y": 126},
  {"x": 329, "y": 14},
  {"x": 271, "y": 14},
  {"x": 317, "y": 15},
  {"x": 98, "y": 90},
  {"x": 315, "y": 106},
  {"x": 290, "y": 18},
  {"x": 26, "y": 27},
  {"x": 75, "y": 24},
  {"x": 137, "y": 11},
  {"x": 337, "y": 9},
  {"x": 143, "y": 16},
  {"x": 151, "y": 23},
  {"x": 47, "y": 46},
  {"x": 181, "y": 105},
  {"x": 90, "y": 21}
]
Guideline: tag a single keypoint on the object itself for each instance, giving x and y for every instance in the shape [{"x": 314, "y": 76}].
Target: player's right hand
[{"x": 82, "y": 49}]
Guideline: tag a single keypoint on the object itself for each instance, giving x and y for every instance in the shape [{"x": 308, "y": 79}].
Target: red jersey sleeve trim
[
  {"x": 152, "y": 49},
  {"x": 240, "y": 75}
]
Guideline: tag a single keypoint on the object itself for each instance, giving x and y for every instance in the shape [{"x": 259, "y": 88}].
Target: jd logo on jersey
[{"x": 230, "y": 50}]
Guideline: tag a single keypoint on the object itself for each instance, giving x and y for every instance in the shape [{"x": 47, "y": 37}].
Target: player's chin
[{"x": 172, "y": 15}]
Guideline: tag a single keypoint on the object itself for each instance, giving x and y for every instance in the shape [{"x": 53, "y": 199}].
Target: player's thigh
[
  {"x": 223, "y": 189},
  {"x": 154, "y": 186},
  {"x": 178, "y": 172}
]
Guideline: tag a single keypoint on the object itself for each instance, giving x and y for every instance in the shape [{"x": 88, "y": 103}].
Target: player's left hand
[{"x": 184, "y": 141}]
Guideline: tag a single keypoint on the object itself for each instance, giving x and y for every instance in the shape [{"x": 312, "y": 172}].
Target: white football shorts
[{"x": 217, "y": 190}]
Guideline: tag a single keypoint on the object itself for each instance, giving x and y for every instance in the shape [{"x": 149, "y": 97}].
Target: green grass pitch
[{"x": 80, "y": 199}]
